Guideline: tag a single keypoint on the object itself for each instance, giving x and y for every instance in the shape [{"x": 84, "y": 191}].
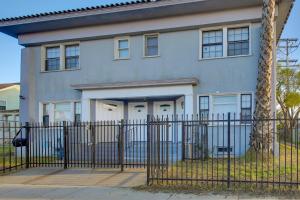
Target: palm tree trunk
[{"x": 261, "y": 137}]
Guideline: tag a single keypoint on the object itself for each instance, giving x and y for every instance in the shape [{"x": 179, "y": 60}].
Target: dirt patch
[{"x": 205, "y": 191}]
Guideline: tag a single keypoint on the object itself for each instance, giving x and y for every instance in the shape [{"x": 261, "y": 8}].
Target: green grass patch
[
  {"x": 251, "y": 171},
  {"x": 8, "y": 158}
]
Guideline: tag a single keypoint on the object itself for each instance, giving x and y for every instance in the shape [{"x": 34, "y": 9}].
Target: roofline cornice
[
  {"x": 116, "y": 13},
  {"x": 94, "y": 10}
]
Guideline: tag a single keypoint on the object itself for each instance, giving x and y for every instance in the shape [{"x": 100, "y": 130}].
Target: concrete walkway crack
[{"x": 171, "y": 195}]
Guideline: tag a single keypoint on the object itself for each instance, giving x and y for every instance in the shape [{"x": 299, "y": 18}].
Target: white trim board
[
  {"x": 138, "y": 92},
  {"x": 154, "y": 25}
]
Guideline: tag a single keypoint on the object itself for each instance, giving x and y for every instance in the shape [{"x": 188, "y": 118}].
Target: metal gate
[{"x": 172, "y": 141}]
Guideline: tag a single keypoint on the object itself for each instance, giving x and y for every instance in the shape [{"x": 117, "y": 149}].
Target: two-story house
[{"x": 127, "y": 60}]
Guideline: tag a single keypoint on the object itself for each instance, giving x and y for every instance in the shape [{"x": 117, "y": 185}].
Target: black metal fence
[
  {"x": 109, "y": 144},
  {"x": 219, "y": 152},
  {"x": 176, "y": 150},
  {"x": 11, "y": 157}
]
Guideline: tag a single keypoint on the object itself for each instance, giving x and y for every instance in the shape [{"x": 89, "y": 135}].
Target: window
[
  {"x": 72, "y": 56},
  {"x": 222, "y": 105},
  {"x": 122, "y": 48},
  {"x": 246, "y": 107},
  {"x": 2, "y": 105},
  {"x": 151, "y": 45},
  {"x": 204, "y": 107},
  {"x": 52, "y": 58},
  {"x": 77, "y": 112},
  {"x": 46, "y": 119},
  {"x": 212, "y": 44},
  {"x": 62, "y": 112},
  {"x": 238, "y": 41}
]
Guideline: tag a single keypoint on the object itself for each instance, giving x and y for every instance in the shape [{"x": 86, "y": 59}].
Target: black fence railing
[
  {"x": 11, "y": 157},
  {"x": 218, "y": 151},
  {"x": 222, "y": 151},
  {"x": 109, "y": 144}
]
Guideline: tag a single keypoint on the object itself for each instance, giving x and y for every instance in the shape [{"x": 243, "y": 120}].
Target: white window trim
[
  {"x": 116, "y": 47},
  {"x": 238, "y": 106},
  {"x": 144, "y": 45},
  {"x": 225, "y": 40},
  {"x": 52, "y": 109},
  {"x": 201, "y": 41},
  {"x": 62, "y": 56}
]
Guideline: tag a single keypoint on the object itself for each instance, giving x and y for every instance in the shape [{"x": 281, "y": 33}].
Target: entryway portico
[{"x": 135, "y": 100}]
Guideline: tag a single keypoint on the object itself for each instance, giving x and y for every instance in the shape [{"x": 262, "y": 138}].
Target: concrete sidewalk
[
  {"x": 77, "y": 177},
  {"x": 34, "y": 192},
  {"x": 86, "y": 184}
]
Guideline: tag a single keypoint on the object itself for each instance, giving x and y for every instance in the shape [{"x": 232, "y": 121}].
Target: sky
[{"x": 10, "y": 51}]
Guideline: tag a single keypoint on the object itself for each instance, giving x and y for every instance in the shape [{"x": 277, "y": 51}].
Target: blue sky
[{"x": 10, "y": 50}]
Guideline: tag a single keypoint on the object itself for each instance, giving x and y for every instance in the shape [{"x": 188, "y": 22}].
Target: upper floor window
[
  {"x": 221, "y": 42},
  {"x": 2, "y": 105},
  {"x": 122, "y": 50},
  {"x": 52, "y": 58},
  {"x": 238, "y": 41},
  {"x": 151, "y": 45},
  {"x": 212, "y": 44},
  {"x": 246, "y": 107},
  {"x": 60, "y": 57},
  {"x": 72, "y": 56}
]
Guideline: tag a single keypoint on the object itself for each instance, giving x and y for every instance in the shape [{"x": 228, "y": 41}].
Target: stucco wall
[{"x": 179, "y": 58}]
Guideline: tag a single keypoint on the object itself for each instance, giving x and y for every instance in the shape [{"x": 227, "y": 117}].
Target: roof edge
[
  {"x": 80, "y": 10},
  {"x": 292, "y": 3}
]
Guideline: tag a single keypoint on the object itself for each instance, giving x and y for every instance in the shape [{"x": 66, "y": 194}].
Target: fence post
[
  {"x": 183, "y": 141},
  {"x": 27, "y": 131},
  {"x": 148, "y": 149},
  {"x": 122, "y": 145},
  {"x": 93, "y": 138},
  {"x": 228, "y": 151},
  {"x": 65, "y": 132}
]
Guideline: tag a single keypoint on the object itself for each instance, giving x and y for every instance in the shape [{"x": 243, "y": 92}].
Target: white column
[
  {"x": 72, "y": 111},
  {"x": 51, "y": 112},
  {"x": 189, "y": 105},
  {"x": 86, "y": 109},
  {"x": 40, "y": 112}
]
